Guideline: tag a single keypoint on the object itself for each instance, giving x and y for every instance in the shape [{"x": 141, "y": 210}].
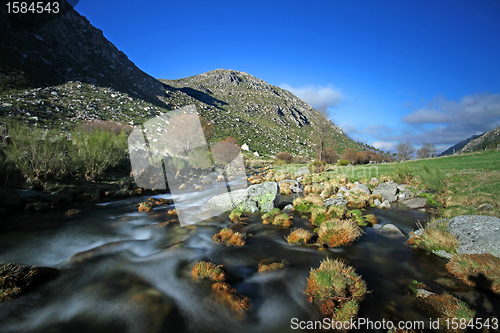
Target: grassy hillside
[{"x": 469, "y": 180}]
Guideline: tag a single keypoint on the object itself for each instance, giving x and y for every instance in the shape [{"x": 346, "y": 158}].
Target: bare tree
[
  {"x": 405, "y": 150},
  {"x": 322, "y": 130},
  {"x": 427, "y": 150}
]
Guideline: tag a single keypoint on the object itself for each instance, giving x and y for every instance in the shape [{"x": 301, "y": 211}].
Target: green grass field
[{"x": 469, "y": 180}]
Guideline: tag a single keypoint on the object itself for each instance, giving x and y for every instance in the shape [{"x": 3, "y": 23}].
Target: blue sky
[{"x": 422, "y": 71}]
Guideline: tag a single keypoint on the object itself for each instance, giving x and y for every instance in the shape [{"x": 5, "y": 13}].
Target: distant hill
[
  {"x": 459, "y": 146},
  {"x": 483, "y": 141},
  {"x": 488, "y": 140},
  {"x": 64, "y": 71},
  {"x": 266, "y": 117}
]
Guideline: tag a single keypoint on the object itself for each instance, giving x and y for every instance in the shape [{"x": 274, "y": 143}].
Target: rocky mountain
[
  {"x": 59, "y": 71},
  {"x": 488, "y": 140},
  {"x": 458, "y": 147},
  {"x": 269, "y": 119}
]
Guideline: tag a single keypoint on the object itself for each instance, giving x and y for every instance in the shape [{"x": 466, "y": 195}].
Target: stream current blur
[{"x": 119, "y": 272}]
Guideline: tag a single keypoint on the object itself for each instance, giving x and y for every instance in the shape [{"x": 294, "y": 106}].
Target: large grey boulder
[
  {"x": 414, "y": 202},
  {"x": 361, "y": 188},
  {"x": 391, "y": 230},
  {"x": 476, "y": 234},
  {"x": 387, "y": 190},
  {"x": 302, "y": 171},
  {"x": 256, "y": 198}
]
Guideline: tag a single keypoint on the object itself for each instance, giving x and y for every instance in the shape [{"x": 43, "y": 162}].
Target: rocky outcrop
[
  {"x": 256, "y": 198},
  {"x": 476, "y": 234}
]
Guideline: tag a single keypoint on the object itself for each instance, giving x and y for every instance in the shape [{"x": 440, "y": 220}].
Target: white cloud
[
  {"x": 474, "y": 112},
  {"x": 316, "y": 95},
  {"x": 384, "y": 145}
]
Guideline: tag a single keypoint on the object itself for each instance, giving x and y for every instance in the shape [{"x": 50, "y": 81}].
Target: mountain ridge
[{"x": 65, "y": 71}]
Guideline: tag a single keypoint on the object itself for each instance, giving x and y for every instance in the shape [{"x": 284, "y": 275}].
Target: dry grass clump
[
  {"x": 385, "y": 178},
  {"x": 161, "y": 202},
  {"x": 343, "y": 180},
  {"x": 145, "y": 207},
  {"x": 373, "y": 197},
  {"x": 172, "y": 212},
  {"x": 275, "y": 217},
  {"x": 370, "y": 218},
  {"x": 336, "y": 289},
  {"x": 339, "y": 212},
  {"x": 228, "y": 296},
  {"x": 313, "y": 189},
  {"x": 209, "y": 271},
  {"x": 315, "y": 199},
  {"x": 446, "y": 307},
  {"x": 357, "y": 200},
  {"x": 299, "y": 237},
  {"x": 285, "y": 188},
  {"x": 328, "y": 190},
  {"x": 482, "y": 270},
  {"x": 254, "y": 180},
  {"x": 263, "y": 267},
  {"x": 436, "y": 237},
  {"x": 319, "y": 214},
  {"x": 338, "y": 232},
  {"x": 229, "y": 237}
]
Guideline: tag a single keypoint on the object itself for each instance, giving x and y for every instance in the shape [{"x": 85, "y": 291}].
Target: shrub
[
  {"x": 342, "y": 162},
  {"x": 336, "y": 289},
  {"x": 403, "y": 174},
  {"x": 38, "y": 154},
  {"x": 338, "y": 232},
  {"x": 299, "y": 237},
  {"x": 330, "y": 156},
  {"x": 284, "y": 156},
  {"x": 92, "y": 153},
  {"x": 433, "y": 180},
  {"x": 10, "y": 177},
  {"x": 316, "y": 166},
  {"x": 208, "y": 270}
]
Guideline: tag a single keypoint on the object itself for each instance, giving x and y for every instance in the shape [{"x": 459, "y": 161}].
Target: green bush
[
  {"x": 10, "y": 177},
  {"x": 433, "y": 180},
  {"x": 403, "y": 174},
  {"x": 342, "y": 162},
  {"x": 94, "y": 152},
  {"x": 38, "y": 154}
]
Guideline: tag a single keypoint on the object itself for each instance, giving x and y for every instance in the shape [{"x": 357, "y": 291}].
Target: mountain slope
[
  {"x": 488, "y": 140},
  {"x": 459, "y": 146},
  {"x": 266, "y": 117},
  {"x": 64, "y": 71}
]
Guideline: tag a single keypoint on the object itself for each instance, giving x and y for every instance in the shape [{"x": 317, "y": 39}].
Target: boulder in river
[
  {"x": 477, "y": 234},
  {"x": 387, "y": 190},
  {"x": 414, "y": 202},
  {"x": 256, "y": 198}
]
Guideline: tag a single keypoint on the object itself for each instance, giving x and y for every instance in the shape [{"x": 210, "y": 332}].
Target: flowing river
[{"x": 122, "y": 272}]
